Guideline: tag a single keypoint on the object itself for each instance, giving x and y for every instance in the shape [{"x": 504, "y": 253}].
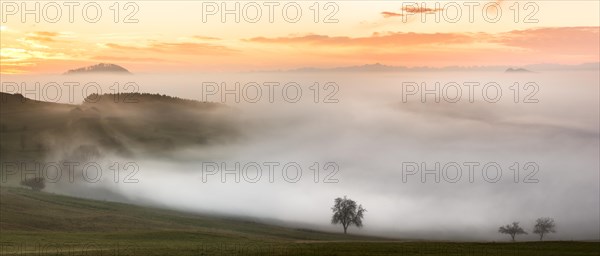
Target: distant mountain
[
  {"x": 99, "y": 68},
  {"x": 560, "y": 67},
  {"x": 517, "y": 70},
  {"x": 378, "y": 67}
]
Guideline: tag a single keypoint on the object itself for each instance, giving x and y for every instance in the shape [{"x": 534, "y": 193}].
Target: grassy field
[{"x": 38, "y": 223}]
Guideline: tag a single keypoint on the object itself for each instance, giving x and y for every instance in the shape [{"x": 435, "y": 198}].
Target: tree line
[{"x": 544, "y": 225}]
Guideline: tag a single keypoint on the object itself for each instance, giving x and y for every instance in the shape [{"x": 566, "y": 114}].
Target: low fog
[{"x": 376, "y": 137}]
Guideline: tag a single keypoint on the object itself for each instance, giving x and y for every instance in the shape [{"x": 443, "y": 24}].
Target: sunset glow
[{"x": 360, "y": 33}]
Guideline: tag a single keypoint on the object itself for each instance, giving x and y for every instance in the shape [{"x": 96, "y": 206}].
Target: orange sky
[{"x": 189, "y": 36}]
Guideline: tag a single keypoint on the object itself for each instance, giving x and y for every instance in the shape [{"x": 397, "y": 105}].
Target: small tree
[
  {"x": 512, "y": 230},
  {"x": 544, "y": 226},
  {"x": 36, "y": 184},
  {"x": 346, "y": 212}
]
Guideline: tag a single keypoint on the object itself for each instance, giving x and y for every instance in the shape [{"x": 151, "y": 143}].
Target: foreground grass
[
  {"x": 34, "y": 223},
  {"x": 184, "y": 243}
]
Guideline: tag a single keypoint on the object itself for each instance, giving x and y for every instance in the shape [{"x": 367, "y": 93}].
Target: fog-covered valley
[{"x": 510, "y": 154}]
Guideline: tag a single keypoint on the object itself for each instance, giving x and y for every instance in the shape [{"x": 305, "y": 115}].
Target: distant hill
[
  {"x": 124, "y": 124},
  {"x": 517, "y": 70},
  {"x": 145, "y": 98},
  {"x": 99, "y": 68},
  {"x": 560, "y": 67},
  {"x": 378, "y": 67}
]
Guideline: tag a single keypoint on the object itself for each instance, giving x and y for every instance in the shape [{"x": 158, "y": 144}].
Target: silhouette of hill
[
  {"x": 517, "y": 70},
  {"x": 378, "y": 67},
  {"x": 99, "y": 68},
  {"x": 561, "y": 67},
  {"x": 123, "y": 124},
  {"x": 146, "y": 98}
]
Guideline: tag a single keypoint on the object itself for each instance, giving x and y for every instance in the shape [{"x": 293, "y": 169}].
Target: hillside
[
  {"x": 122, "y": 124},
  {"x": 27, "y": 210},
  {"x": 99, "y": 68},
  {"x": 40, "y": 223},
  {"x": 30, "y": 216}
]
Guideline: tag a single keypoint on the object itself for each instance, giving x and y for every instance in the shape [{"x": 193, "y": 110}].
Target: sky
[{"x": 181, "y": 36}]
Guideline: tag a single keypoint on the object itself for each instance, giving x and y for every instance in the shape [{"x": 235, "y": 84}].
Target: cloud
[
  {"x": 178, "y": 48},
  {"x": 564, "y": 45},
  {"x": 391, "y": 14},
  {"x": 411, "y": 9},
  {"x": 205, "y": 38},
  {"x": 538, "y": 45},
  {"x": 38, "y": 39},
  {"x": 125, "y": 59},
  {"x": 42, "y": 37},
  {"x": 375, "y": 40},
  {"x": 46, "y": 33},
  {"x": 564, "y": 40}
]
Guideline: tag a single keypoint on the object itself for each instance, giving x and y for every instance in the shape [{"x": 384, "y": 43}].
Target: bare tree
[
  {"x": 512, "y": 230},
  {"x": 543, "y": 226},
  {"x": 346, "y": 212},
  {"x": 36, "y": 184}
]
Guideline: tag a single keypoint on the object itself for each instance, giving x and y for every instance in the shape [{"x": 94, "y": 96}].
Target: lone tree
[
  {"x": 346, "y": 212},
  {"x": 36, "y": 184},
  {"x": 543, "y": 226},
  {"x": 512, "y": 230}
]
